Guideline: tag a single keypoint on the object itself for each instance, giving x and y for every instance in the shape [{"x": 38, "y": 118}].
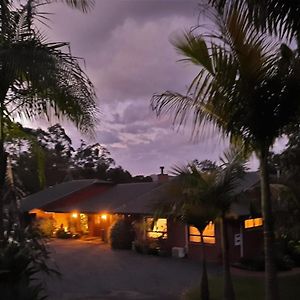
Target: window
[
  {"x": 208, "y": 234},
  {"x": 156, "y": 228},
  {"x": 250, "y": 223}
]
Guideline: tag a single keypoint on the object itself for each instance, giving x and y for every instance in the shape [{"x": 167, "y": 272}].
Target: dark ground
[{"x": 92, "y": 271}]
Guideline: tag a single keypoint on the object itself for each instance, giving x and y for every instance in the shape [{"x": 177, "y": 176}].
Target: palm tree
[
  {"x": 246, "y": 88},
  {"x": 204, "y": 197},
  {"x": 189, "y": 205},
  {"x": 279, "y": 17},
  {"x": 38, "y": 78}
]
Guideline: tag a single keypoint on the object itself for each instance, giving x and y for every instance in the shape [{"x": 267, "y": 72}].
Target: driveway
[{"x": 92, "y": 271}]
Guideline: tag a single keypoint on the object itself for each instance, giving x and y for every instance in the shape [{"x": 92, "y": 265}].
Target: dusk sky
[{"x": 129, "y": 57}]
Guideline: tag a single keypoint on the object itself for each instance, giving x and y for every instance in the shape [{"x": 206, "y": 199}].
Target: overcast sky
[{"x": 129, "y": 57}]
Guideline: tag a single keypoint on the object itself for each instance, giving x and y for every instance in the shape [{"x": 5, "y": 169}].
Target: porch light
[
  {"x": 74, "y": 215},
  {"x": 104, "y": 217}
]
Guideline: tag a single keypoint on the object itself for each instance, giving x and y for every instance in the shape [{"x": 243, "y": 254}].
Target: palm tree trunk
[
  {"x": 3, "y": 166},
  {"x": 204, "y": 278},
  {"x": 3, "y": 156},
  {"x": 228, "y": 286},
  {"x": 271, "y": 282}
]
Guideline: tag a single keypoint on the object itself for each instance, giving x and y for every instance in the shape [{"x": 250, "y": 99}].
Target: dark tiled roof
[
  {"x": 116, "y": 197},
  {"x": 248, "y": 181},
  {"x": 242, "y": 206},
  {"x": 127, "y": 198},
  {"x": 148, "y": 202},
  {"x": 56, "y": 192}
]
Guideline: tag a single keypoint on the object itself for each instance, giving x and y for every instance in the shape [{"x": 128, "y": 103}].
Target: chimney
[{"x": 162, "y": 177}]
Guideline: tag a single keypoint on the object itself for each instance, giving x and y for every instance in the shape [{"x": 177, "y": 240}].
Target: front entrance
[{"x": 99, "y": 226}]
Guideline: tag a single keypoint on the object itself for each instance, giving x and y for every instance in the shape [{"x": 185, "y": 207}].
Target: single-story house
[{"x": 92, "y": 206}]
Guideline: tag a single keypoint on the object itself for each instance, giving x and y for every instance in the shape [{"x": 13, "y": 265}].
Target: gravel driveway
[{"x": 92, "y": 271}]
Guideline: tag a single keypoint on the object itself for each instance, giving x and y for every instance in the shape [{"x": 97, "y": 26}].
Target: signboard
[{"x": 237, "y": 239}]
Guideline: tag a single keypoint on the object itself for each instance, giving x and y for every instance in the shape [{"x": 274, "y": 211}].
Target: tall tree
[
  {"x": 248, "y": 88},
  {"x": 37, "y": 78},
  {"x": 207, "y": 196}
]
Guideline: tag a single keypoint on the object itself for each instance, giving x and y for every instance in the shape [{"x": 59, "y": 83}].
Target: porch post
[{"x": 242, "y": 240}]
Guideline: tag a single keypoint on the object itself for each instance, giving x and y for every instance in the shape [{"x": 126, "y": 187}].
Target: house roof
[
  {"x": 56, "y": 192},
  {"x": 242, "y": 206},
  {"x": 248, "y": 181},
  {"x": 127, "y": 198},
  {"x": 117, "y": 198},
  {"x": 147, "y": 203}
]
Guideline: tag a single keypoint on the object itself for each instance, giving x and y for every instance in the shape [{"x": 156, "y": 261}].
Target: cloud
[{"x": 129, "y": 57}]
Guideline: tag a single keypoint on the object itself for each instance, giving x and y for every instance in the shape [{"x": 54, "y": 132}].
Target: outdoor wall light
[
  {"x": 104, "y": 217},
  {"x": 75, "y": 215}
]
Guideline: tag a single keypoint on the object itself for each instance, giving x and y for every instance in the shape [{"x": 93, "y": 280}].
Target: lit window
[
  {"x": 250, "y": 223},
  {"x": 208, "y": 234},
  {"x": 156, "y": 228}
]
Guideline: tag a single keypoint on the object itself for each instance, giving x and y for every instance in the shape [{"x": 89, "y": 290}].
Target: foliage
[
  {"x": 54, "y": 150},
  {"x": 41, "y": 78},
  {"x": 286, "y": 169},
  {"x": 279, "y": 17},
  {"x": 205, "y": 165},
  {"x": 23, "y": 258},
  {"x": 247, "y": 88},
  {"x": 46, "y": 226},
  {"x": 289, "y": 248},
  {"x": 283, "y": 263},
  {"x": 207, "y": 194},
  {"x": 121, "y": 235},
  {"x": 203, "y": 197}
]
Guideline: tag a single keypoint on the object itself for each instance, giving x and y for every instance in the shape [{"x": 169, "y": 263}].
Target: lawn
[{"x": 249, "y": 288}]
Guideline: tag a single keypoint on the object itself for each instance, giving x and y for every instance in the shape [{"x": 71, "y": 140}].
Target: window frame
[
  {"x": 163, "y": 234},
  {"x": 205, "y": 236},
  {"x": 260, "y": 225}
]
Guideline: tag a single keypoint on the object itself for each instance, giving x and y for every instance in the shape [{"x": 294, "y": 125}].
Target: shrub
[
  {"x": 121, "y": 235},
  {"x": 46, "y": 226},
  {"x": 23, "y": 257},
  {"x": 283, "y": 263}
]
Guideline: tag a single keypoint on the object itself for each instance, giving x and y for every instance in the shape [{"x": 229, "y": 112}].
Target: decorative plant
[{"x": 121, "y": 235}]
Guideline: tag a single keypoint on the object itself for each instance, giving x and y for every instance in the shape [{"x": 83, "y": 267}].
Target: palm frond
[
  {"x": 278, "y": 17},
  {"x": 83, "y": 5},
  {"x": 43, "y": 78},
  {"x": 247, "y": 85}
]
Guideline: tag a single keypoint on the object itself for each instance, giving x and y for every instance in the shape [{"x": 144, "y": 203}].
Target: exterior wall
[
  {"x": 61, "y": 220},
  {"x": 177, "y": 235},
  {"x": 76, "y": 198},
  {"x": 253, "y": 242},
  {"x": 234, "y": 229}
]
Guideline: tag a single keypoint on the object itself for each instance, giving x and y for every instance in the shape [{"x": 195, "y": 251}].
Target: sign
[{"x": 237, "y": 239}]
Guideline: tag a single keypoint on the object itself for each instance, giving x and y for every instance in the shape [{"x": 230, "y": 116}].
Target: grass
[{"x": 250, "y": 288}]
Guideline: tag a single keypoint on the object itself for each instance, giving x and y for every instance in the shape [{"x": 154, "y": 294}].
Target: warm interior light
[
  {"x": 208, "y": 234},
  {"x": 156, "y": 228},
  {"x": 250, "y": 223},
  {"x": 75, "y": 215},
  {"x": 104, "y": 217}
]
